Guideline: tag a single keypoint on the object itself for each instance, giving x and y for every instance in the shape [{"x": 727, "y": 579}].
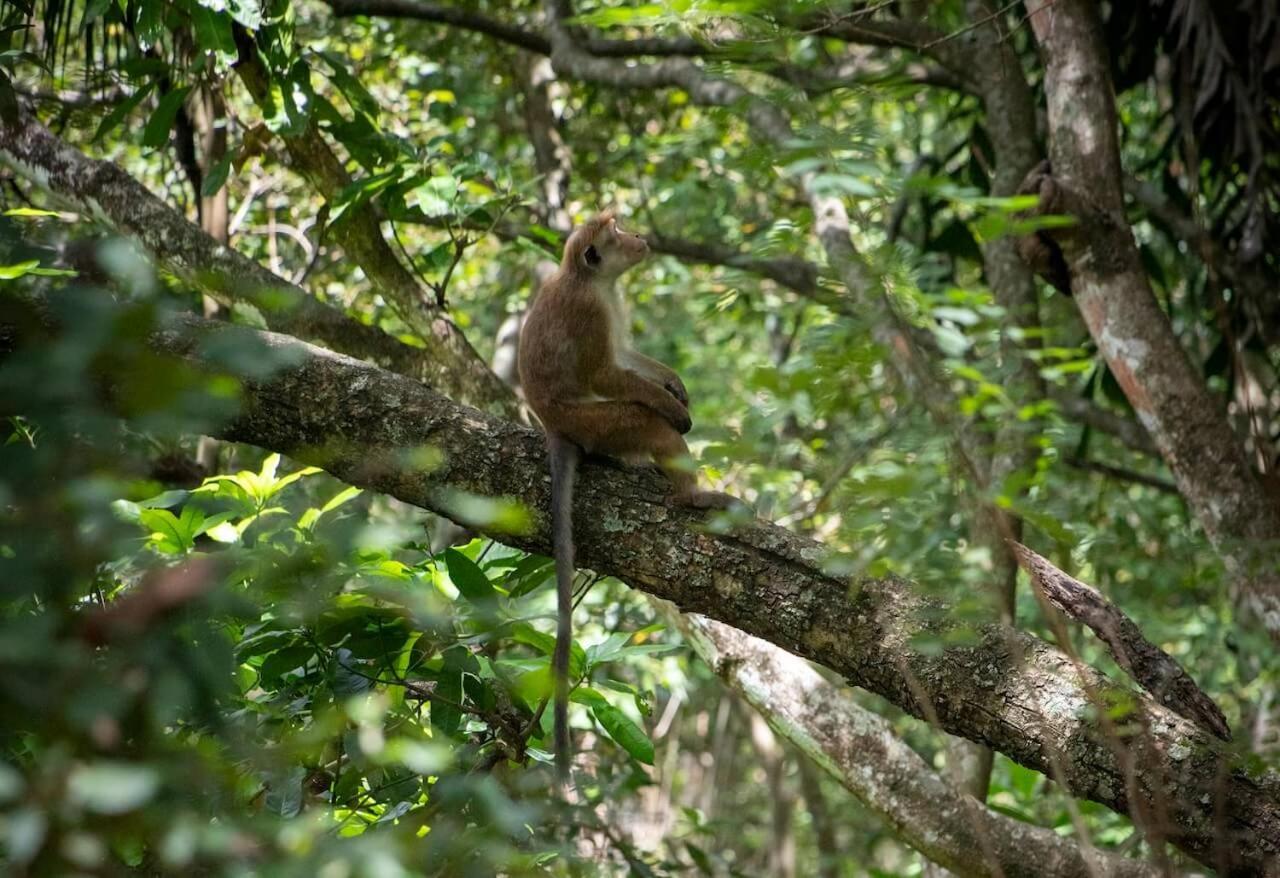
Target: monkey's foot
[{"x": 711, "y": 500}]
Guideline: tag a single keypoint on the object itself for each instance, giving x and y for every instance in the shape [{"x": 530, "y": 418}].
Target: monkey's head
[{"x": 600, "y": 249}]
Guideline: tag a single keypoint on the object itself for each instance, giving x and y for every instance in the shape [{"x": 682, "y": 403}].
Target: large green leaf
[
  {"x": 470, "y": 579},
  {"x": 625, "y": 733},
  {"x": 156, "y": 132}
]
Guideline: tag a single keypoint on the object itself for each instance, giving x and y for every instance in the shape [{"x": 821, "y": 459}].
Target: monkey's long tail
[{"x": 564, "y": 468}]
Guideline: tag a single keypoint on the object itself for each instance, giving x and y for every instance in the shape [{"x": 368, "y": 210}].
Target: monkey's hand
[
  {"x": 676, "y": 388},
  {"x": 625, "y": 384},
  {"x": 678, "y": 415}
]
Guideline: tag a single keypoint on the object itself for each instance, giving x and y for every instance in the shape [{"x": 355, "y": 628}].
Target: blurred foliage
[{"x": 337, "y": 694}]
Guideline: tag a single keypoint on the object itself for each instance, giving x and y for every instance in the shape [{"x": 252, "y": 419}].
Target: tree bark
[
  {"x": 861, "y": 751},
  {"x": 1111, "y": 289},
  {"x": 104, "y": 192}
]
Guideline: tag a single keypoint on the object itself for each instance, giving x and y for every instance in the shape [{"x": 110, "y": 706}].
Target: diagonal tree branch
[
  {"x": 1151, "y": 667},
  {"x": 360, "y": 235},
  {"x": 1009, "y": 690},
  {"x": 524, "y": 38},
  {"x": 104, "y": 192},
  {"x": 926, "y": 810}
]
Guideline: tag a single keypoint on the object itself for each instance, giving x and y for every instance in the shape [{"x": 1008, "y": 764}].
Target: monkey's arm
[
  {"x": 623, "y": 384},
  {"x": 658, "y": 372}
]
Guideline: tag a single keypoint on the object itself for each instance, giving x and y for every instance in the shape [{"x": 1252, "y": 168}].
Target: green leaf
[
  {"x": 213, "y": 34},
  {"x": 535, "y": 685},
  {"x": 470, "y": 579},
  {"x": 348, "y": 493},
  {"x": 531, "y": 572},
  {"x": 166, "y": 500},
  {"x": 278, "y": 485},
  {"x": 216, "y": 178},
  {"x": 150, "y": 27},
  {"x": 285, "y": 661},
  {"x": 310, "y": 518},
  {"x": 546, "y": 644},
  {"x": 30, "y": 212},
  {"x": 168, "y": 532},
  {"x": 246, "y": 12},
  {"x": 18, "y": 269},
  {"x": 32, "y": 266},
  {"x": 352, "y": 89},
  {"x": 297, "y": 96},
  {"x": 445, "y": 714},
  {"x": 436, "y": 196},
  {"x": 123, "y": 109},
  {"x": 156, "y": 132},
  {"x": 625, "y": 733}
]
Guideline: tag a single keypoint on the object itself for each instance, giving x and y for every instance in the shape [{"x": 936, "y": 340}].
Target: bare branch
[
  {"x": 795, "y": 274},
  {"x": 524, "y": 38},
  {"x": 1123, "y": 475},
  {"x": 866, "y": 70},
  {"x": 955, "y": 55},
  {"x": 799, "y": 275},
  {"x": 1153, "y": 669},
  {"x": 442, "y": 13},
  {"x": 861, "y": 751}
]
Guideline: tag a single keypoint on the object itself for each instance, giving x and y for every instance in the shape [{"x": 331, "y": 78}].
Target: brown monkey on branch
[{"x": 594, "y": 393}]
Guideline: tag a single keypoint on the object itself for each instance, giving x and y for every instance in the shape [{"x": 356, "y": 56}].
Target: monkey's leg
[{"x": 630, "y": 430}]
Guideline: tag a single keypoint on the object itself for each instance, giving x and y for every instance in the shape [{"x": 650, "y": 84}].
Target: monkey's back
[{"x": 564, "y": 342}]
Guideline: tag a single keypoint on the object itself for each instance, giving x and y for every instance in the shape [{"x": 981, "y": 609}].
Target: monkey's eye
[{"x": 592, "y": 255}]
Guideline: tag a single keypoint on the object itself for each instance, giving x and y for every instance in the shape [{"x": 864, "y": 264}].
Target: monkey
[{"x": 594, "y": 393}]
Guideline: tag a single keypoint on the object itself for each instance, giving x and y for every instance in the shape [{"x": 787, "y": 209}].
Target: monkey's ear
[{"x": 592, "y": 255}]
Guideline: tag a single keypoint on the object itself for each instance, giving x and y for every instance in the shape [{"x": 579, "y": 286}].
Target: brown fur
[
  {"x": 592, "y": 392},
  {"x": 575, "y": 378}
]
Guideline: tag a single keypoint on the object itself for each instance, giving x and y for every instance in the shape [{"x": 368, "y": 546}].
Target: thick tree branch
[
  {"x": 1011, "y": 691},
  {"x": 862, "y": 69},
  {"x": 524, "y": 38},
  {"x": 793, "y": 273},
  {"x": 862, "y": 751},
  {"x": 102, "y": 191},
  {"x": 956, "y": 54},
  {"x": 1133, "y": 333}
]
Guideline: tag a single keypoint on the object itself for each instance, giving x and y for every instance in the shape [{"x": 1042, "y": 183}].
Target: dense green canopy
[{"x": 941, "y": 278}]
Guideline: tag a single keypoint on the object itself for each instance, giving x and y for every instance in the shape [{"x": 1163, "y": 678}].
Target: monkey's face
[{"x": 613, "y": 251}]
